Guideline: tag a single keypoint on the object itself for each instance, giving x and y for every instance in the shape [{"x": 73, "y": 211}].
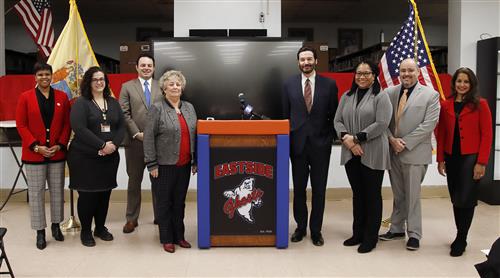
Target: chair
[{"x": 3, "y": 255}]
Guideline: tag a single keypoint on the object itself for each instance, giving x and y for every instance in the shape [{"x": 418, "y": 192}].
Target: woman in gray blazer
[
  {"x": 169, "y": 153},
  {"x": 361, "y": 121}
]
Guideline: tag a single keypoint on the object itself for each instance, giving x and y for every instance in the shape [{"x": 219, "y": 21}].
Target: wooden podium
[{"x": 243, "y": 183}]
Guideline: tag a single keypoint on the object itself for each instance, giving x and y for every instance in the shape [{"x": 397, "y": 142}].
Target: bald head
[{"x": 408, "y": 72}]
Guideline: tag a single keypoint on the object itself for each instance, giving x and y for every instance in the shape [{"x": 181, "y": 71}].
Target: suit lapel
[
  {"x": 140, "y": 91},
  {"x": 317, "y": 91},
  {"x": 465, "y": 110},
  {"x": 155, "y": 91},
  {"x": 299, "y": 93}
]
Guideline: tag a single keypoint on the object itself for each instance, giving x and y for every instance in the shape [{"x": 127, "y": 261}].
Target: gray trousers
[
  {"x": 134, "y": 155},
  {"x": 38, "y": 175},
  {"x": 406, "y": 180}
]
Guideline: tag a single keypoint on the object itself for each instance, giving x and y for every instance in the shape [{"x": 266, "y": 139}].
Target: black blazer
[{"x": 317, "y": 125}]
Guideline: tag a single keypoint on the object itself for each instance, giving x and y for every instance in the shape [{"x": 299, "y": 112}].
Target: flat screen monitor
[{"x": 217, "y": 71}]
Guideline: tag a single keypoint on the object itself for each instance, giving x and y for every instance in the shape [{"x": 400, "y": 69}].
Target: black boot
[
  {"x": 87, "y": 238},
  {"x": 40, "y": 239},
  {"x": 463, "y": 220},
  {"x": 56, "y": 232}
]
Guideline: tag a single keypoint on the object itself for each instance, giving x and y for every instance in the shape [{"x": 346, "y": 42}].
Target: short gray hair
[{"x": 172, "y": 73}]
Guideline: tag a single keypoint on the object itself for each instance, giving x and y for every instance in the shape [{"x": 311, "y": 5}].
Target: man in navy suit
[{"x": 310, "y": 102}]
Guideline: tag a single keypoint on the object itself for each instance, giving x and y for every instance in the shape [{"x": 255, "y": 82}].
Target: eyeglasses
[
  {"x": 98, "y": 79},
  {"x": 363, "y": 73}
]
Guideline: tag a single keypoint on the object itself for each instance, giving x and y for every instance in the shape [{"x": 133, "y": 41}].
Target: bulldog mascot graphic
[{"x": 243, "y": 199}]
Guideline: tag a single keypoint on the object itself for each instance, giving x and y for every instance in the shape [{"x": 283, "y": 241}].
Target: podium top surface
[{"x": 243, "y": 127}]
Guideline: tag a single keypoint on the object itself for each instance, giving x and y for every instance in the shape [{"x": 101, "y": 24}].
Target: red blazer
[
  {"x": 31, "y": 127},
  {"x": 475, "y": 130}
]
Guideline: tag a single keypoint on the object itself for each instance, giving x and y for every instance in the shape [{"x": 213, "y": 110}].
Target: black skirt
[
  {"x": 92, "y": 172},
  {"x": 461, "y": 185}
]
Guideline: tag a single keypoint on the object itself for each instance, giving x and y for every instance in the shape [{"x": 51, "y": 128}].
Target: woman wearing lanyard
[
  {"x": 169, "y": 144},
  {"x": 97, "y": 120}
]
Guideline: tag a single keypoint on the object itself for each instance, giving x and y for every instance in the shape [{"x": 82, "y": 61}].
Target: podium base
[
  {"x": 386, "y": 222},
  {"x": 71, "y": 225}
]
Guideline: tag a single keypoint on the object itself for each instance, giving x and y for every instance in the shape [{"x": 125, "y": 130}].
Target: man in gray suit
[
  {"x": 136, "y": 97},
  {"x": 415, "y": 115}
]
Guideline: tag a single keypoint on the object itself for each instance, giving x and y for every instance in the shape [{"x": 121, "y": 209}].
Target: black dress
[
  {"x": 89, "y": 171},
  {"x": 460, "y": 170}
]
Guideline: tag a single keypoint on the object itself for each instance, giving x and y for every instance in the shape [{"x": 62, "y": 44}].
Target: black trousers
[
  {"x": 93, "y": 205},
  {"x": 170, "y": 189},
  {"x": 366, "y": 184},
  {"x": 313, "y": 162}
]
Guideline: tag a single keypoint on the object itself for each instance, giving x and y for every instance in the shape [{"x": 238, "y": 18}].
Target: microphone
[
  {"x": 241, "y": 96},
  {"x": 247, "y": 109}
]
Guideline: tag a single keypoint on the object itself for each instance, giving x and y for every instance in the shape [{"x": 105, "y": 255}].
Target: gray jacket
[
  {"x": 417, "y": 122},
  {"x": 372, "y": 116},
  {"x": 162, "y": 134}
]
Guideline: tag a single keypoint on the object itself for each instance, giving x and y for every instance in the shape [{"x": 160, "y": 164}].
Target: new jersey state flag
[{"x": 72, "y": 55}]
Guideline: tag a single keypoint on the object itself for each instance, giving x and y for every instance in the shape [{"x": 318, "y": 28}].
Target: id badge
[{"x": 105, "y": 128}]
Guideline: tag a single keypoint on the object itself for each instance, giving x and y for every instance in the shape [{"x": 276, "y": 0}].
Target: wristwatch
[
  {"x": 36, "y": 148},
  {"x": 355, "y": 139}
]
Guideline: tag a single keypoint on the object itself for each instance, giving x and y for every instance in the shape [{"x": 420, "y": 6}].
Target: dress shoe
[
  {"x": 184, "y": 244},
  {"x": 129, "y": 227},
  {"x": 169, "y": 247},
  {"x": 155, "y": 222},
  {"x": 40, "y": 239},
  {"x": 103, "y": 234},
  {"x": 391, "y": 236},
  {"x": 318, "y": 240},
  {"x": 458, "y": 247},
  {"x": 352, "y": 241},
  {"x": 87, "y": 238},
  {"x": 366, "y": 248},
  {"x": 297, "y": 236},
  {"x": 56, "y": 232},
  {"x": 413, "y": 244}
]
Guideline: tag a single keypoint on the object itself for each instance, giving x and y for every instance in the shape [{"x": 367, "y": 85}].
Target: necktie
[
  {"x": 401, "y": 106},
  {"x": 147, "y": 93},
  {"x": 308, "y": 95}
]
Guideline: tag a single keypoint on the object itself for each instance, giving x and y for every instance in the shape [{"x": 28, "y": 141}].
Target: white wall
[
  {"x": 336, "y": 175},
  {"x": 234, "y": 14},
  {"x": 467, "y": 21}
]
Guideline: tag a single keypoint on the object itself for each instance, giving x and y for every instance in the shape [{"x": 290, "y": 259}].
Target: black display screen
[{"x": 217, "y": 71}]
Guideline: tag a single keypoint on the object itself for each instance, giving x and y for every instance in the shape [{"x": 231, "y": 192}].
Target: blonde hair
[{"x": 169, "y": 74}]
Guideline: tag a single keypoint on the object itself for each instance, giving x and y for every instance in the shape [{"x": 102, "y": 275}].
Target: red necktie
[{"x": 308, "y": 95}]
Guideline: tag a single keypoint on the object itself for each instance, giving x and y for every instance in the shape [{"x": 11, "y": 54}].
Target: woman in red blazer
[
  {"x": 42, "y": 119},
  {"x": 464, "y": 140}
]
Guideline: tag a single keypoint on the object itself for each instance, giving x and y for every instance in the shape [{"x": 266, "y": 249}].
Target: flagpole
[
  {"x": 8, "y": 11},
  {"x": 72, "y": 224},
  {"x": 418, "y": 25}
]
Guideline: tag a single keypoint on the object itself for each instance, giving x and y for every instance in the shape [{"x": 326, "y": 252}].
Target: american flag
[
  {"x": 402, "y": 46},
  {"x": 37, "y": 18}
]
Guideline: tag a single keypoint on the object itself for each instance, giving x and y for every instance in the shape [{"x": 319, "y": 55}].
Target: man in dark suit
[
  {"x": 136, "y": 97},
  {"x": 310, "y": 102}
]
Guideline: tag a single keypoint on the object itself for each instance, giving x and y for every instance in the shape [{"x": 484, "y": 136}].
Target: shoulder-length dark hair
[
  {"x": 85, "y": 86},
  {"x": 375, "y": 72},
  {"x": 472, "y": 96}
]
